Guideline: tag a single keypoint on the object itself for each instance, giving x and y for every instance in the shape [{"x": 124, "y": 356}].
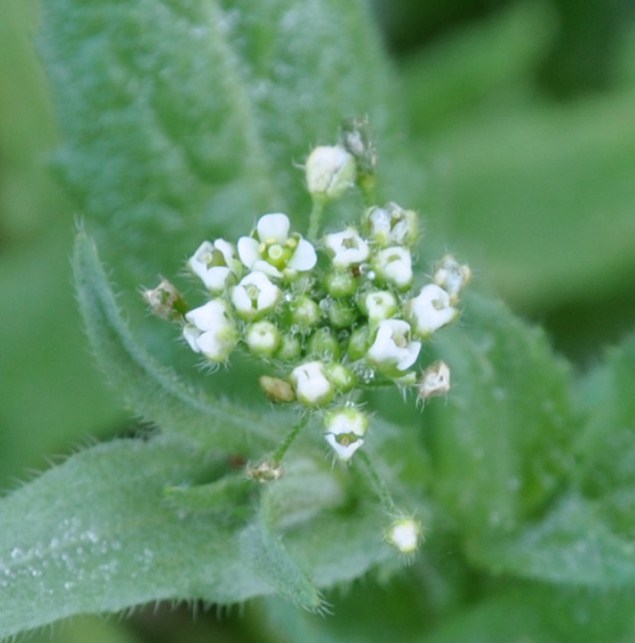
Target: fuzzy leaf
[
  {"x": 499, "y": 446},
  {"x": 151, "y": 389},
  {"x": 97, "y": 534},
  {"x": 183, "y": 120}
]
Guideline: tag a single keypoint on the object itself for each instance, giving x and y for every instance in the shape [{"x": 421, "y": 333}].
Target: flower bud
[
  {"x": 312, "y": 387},
  {"x": 341, "y": 283},
  {"x": 358, "y": 343},
  {"x": 342, "y": 378},
  {"x": 435, "y": 380},
  {"x": 429, "y": 310},
  {"x": 275, "y": 389},
  {"x": 452, "y": 276},
  {"x": 392, "y": 225},
  {"x": 393, "y": 266},
  {"x": 305, "y": 313},
  {"x": 262, "y": 338},
  {"x": 405, "y": 534},
  {"x": 329, "y": 171},
  {"x": 344, "y": 429},
  {"x": 165, "y": 301},
  {"x": 290, "y": 347},
  {"x": 341, "y": 313},
  {"x": 323, "y": 344},
  {"x": 379, "y": 305}
]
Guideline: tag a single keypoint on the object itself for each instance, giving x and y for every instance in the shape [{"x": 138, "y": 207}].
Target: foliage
[{"x": 182, "y": 121}]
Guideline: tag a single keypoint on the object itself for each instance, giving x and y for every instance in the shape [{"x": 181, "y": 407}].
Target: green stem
[
  {"x": 314, "y": 218},
  {"x": 384, "y": 495},
  {"x": 288, "y": 440}
]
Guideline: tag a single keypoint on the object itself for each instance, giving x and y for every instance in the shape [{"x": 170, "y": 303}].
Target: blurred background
[{"x": 523, "y": 116}]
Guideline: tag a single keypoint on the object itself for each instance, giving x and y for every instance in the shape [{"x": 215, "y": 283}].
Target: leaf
[
  {"x": 499, "y": 447},
  {"x": 183, "y": 120},
  {"x": 96, "y": 535},
  {"x": 151, "y": 389},
  {"x": 572, "y": 544}
]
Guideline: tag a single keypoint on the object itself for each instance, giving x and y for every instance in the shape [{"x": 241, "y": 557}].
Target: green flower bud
[
  {"x": 342, "y": 377},
  {"x": 358, "y": 343},
  {"x": 305, "y": 313},
  {"x": 341, "y": 313},
  {"x": 262, "y": 338},
  {"x": 341, "y": 283},
  {"x": 323, "y": 344},
  {"x": 289, "y": 348}
]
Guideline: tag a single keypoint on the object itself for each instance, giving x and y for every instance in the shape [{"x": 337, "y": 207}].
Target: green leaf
[
  {"x": 97, "y": 535},
  {"x": 151, "y": 389},
  {"x": 572, "y": 544},
  {"x": 499, "y": 447},
  {"x": 183, "y": 119}
]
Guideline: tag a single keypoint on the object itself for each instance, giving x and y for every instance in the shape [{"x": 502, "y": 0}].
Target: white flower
[
  {"x": 210, "y": 330},
  {"x": 312, "y": 387},
  {"x": 405, "y": 535},
  {"x": 275, "y": 252},
  {"x": 330, "y": 171},
  {"x": 435, "y": 380},
  {"x": 452, "y": 276},
  {"x": 254, "y": 295},
  {"x": 380, "y": 305},
  {"x": 344, "y": 431},
  {"x": 262, "y": 338},
  {"x": 393, "y": 348},
  {"x": 214, "y": 263},
  {"x": 347, "y": 248},
  {"x": 394, "y": 266},
  {"x": 430, "y": 310},
  {"x": 392, "y": 225}
]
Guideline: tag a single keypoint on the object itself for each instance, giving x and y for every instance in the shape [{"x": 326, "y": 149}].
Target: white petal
[
  {"x": 344, "y": 452},
  {"x": 226, "y": 249},
  {"x": 273, "y": 227},
  {"x": 216, "y": 278},
  {"x": 264, "y": 266},
  {"x": 191, "y": 335},
  {"x": 199, "y": 260},
  {"x": 248, "y": 251},
  {"x": 304, "y": 257},
  {"x": 209, "y": 316},
  {"x": 409, "y": 356}
]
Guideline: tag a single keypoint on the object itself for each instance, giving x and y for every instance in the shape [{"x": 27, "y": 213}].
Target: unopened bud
[
  {"x": 312, "y": 387},
  {"x": 405, "y": 534},
  {"x": 452, "y": 276},
  {"x": 262, "y": 338},
  {"x": 330, "y": 171}
]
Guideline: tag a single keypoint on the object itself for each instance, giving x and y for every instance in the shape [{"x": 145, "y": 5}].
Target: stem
[
  {"x": 288, "y": 440},
  {"x": 314, "y": 218},
  {"x": 384, "y": 495}
]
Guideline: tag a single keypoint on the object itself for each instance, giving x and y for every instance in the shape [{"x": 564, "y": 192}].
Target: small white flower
[
  {"x": 275, "y": 252},
  {"x": 262, "y": 338},
  {"x": 330, "y": 170},
  {"x": 312, "y": 387},
  {"x": 430, "y": 310},
  {"x": 347, "y": 248},
  {"x": 380, "y": 305},
  {"x": 435, "y": 380},
  {"x": 405, "y": 535},
  {"x": 254, "y": 295},
  {"x": 452, "y": 276},
  {"x": 210, "y": 330},
  {"x": 393, "y": 348},
  {"x": 394, "y": 266},
  {"x": 344, "y": 431},
  {"x": 392, "y": 225},
  {"x": 214, "y": 263}
]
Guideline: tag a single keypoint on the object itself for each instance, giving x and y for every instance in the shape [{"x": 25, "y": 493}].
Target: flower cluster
[{"x": 331, "y": 313}]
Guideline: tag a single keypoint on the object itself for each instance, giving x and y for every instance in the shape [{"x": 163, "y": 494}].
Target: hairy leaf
[{"x": 151, "y": 389}]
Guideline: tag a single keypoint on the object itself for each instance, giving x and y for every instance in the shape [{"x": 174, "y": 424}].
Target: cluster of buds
[{"x": 329, "y": 314}]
